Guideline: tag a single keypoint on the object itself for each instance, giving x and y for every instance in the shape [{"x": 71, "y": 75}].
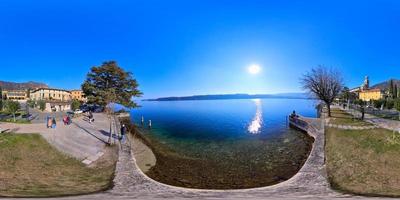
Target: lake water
[{"x": 244, "y": 140}]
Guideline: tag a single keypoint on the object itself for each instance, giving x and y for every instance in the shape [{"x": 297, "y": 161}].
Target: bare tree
[{"x": 323, "y": 83}]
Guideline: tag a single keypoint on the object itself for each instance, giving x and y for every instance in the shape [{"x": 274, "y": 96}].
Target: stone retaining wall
[{"x": 311, "y": 180}]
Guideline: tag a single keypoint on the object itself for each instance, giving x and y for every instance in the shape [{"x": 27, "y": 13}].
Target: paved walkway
[
  {"x": 39, "y": 117},
  {"x": 310, "y": 182},
  {"x": 81, "y": 139},
  {"x": 377, "y": 121},
  {"x": 349, "y": 127}
]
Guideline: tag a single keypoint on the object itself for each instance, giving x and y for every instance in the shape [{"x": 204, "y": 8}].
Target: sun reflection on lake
[{"x": 256, "y": 123}]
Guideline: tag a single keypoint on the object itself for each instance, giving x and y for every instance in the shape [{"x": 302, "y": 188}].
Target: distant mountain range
[
  {"x": 234, "y": 96},
  {"x": 21, "y": 86},
  {"x": 386, "y": 84}
]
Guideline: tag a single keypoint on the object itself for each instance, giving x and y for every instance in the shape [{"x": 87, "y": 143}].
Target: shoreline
[
  {"x": 309, "y": 182},
  {"x": 189, "y": 172},
  {"x": 144, "y": 156}
]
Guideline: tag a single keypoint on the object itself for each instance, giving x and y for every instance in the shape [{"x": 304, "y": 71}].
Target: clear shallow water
[
  {"x": 220, "y": 119},
  {"x": 241, "y": 138}
]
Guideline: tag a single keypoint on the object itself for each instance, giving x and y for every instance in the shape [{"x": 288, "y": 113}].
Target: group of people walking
[{"x": 51, "y": 122}]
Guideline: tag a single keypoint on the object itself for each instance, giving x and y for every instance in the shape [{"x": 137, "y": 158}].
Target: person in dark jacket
[
  {"x": 362, "y": 112},
  {"x": 54, "y": 123},
  {"x": 123, "y": 133},
  {"x": 69, "y": 120}
]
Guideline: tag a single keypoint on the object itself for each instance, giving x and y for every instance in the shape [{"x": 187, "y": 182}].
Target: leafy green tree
[
  {"x": 109, "y": 84},
  {"x": 397, "y": 104},
  {"x": 398, "y": 92},
  {"x": 378, "y": 103},
  {"x": 391, "y": 88},
  {"x": 345, "y": 96},
  {"x": 42, "y": 105},
  {"x": 395, "y": 92},
  {"x": 389, "y": 104},
  {"x": 359, "y": 102},
  {"x": 12, "y": 107},
  {"x": 75, "y": 104},
  {"x": 31, "y": 103}
]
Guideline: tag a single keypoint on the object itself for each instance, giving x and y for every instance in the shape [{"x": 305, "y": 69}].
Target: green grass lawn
[
  {"x": 364, "y": 161},
  {"x": 340, "y": 117},
  {"x": 30, "y": 167}
]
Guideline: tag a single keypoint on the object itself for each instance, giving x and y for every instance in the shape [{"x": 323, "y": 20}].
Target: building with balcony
[
  {"x": 50, "y": 94},
  {"x": 15, "y": 94}
]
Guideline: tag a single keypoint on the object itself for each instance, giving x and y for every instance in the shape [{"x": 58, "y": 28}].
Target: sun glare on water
[
  {"x": 255, "y": 125},
  {"x": 254, "y": 69}
]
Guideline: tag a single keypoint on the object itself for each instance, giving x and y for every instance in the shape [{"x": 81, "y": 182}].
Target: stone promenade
[
  {"x": 310, "y": 183},
  {"x": 82, "y": 140}
]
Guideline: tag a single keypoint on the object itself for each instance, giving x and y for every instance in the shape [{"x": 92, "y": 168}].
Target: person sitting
[
  {"x": 293, "y": 115},
  {"x": 123, "y": 132}
]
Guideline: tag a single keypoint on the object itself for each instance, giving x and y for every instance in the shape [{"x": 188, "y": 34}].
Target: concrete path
[
  {"x": 310, "y": 182},
  {"x": 81, "y": 139},
  {"x": 349, "y": 127},
  {"x": 377, "y": 121},
  {"x": 39, "y": 117}
]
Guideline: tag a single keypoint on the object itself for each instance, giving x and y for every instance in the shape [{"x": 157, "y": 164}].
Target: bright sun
[{"x": 254, "y": 69}]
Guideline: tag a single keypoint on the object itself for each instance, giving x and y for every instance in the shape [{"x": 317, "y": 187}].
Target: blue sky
[{"x": 199, "y": 46}]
